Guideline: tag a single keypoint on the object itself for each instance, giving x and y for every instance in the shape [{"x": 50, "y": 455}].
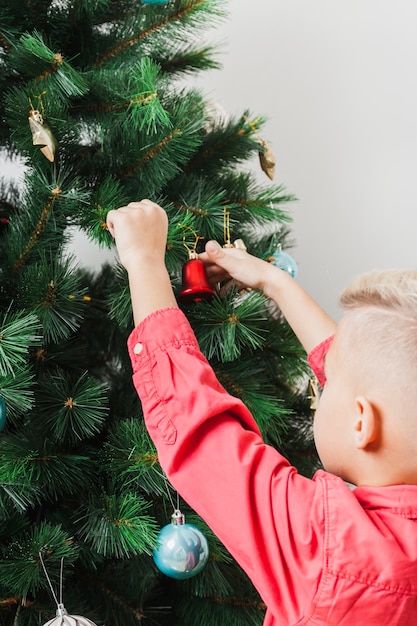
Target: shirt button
[{"x": 137, "y": 348}]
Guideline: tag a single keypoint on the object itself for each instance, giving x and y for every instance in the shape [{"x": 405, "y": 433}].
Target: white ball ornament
[{"x": 63, "y": 619}]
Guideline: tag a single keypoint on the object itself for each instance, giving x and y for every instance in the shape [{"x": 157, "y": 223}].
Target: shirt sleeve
[
  {"x": 268, "y": 516},
  {"x": 316, "y": 359}
]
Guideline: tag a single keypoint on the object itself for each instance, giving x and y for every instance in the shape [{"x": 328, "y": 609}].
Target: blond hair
[
  {"x": 381, "y": 311},
  {"x": 392, "y": 290}
]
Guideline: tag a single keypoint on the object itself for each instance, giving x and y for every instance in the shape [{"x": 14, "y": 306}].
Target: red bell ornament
[{"x": 195, "y": 284}]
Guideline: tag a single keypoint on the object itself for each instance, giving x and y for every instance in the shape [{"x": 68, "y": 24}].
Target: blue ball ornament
[
  {"x": 155, "y": 1},
  {"x": 285, "y": 261},
  {"x": 182, "y": 549}
]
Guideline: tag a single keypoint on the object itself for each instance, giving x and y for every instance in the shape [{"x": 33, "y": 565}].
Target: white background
[{"x": 337, "y": 81}]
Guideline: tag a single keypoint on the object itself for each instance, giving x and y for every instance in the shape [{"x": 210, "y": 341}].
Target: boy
[{"x": 318, "y": 551}]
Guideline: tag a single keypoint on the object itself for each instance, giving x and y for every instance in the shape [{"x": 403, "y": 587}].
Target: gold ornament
[
  {"x": 314, "y": 393},
  {"x": 267, "y": 159},
  {"x": 42, "y": 134},
  {"x": 266, "y": 156},
  {"x": 239, "y": 243}
]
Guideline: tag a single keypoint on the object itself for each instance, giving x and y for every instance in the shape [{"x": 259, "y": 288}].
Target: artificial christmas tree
[{"x": 93, "y": 104}]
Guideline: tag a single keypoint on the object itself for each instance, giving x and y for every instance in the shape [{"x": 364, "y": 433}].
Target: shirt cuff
[
  {"x": 316, "y": 359},
  {"x": 161, "y": 329}
]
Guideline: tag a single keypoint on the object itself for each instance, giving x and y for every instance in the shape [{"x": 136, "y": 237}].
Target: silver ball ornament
[{"x": 63, "y": 619}]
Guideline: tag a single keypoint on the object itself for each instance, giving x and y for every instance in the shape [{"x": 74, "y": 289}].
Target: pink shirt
[{"x": 317, "y": 551}]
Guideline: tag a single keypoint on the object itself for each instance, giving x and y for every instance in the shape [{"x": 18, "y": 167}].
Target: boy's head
[
  {"x": 381, "y": 315},
  {"x": 366, "y": 421}
]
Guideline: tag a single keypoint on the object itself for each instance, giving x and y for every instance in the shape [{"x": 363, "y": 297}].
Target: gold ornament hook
[
  {"x": 238, "y": 243},
  {"x": 226, "y": 229},
  {"x": 192, "y": 252}
]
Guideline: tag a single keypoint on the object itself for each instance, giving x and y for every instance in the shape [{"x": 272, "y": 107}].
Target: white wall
[
  {"x": 87, "y": 254},
  {"x": 337, "y": 81}
]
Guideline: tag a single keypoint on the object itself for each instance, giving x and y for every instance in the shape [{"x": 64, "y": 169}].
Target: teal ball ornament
[
  {"x": 182, "y": 549},
  {"x": 285, "y": 261},
  {"x": 3, "y": 413},
  {"x": 155, "y": 1}
]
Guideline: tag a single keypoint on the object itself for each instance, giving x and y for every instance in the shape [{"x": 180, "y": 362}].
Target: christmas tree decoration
[
  {"x": 3, "y": 413},
  {"x": 182, "y": 549},
  {"x": 63, "y": 619},
  {"x": 239, "y": 243},
  {"x": 154, "y": 1},
  {"x": 284, "y": 261},
  {"x": 195, "y": 284},
  {"x": 314, "y": 394},
  {"x": 42, "y": 135},
  {"x": 267, "y": 159},
  {"x": 266, "y": 156}
]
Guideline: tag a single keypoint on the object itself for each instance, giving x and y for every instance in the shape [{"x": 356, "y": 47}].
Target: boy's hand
[
  {"x": 225, "y": 263},
  {"x": 308, "y": 320},
  {"x": 140, "y": 231}
]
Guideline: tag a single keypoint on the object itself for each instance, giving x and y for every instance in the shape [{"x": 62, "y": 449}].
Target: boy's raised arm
[
  {"x": 140, "y": 231},
  {"x": 308, "y": 320}
]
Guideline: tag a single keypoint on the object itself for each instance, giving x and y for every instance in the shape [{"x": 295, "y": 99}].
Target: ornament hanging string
[
  {"x": 61, "y": 577},
  {"x": 226, "y": 229},
  {"x": 238, "y": 243},
  {"x": 41, "y": 107},
  {"x": 62, "y": 618},
  {"x": 192, "y": 252},
  {"x": 167, "y": 485}
]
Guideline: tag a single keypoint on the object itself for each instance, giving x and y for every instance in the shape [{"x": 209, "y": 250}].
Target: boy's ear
[{"x": 366, "y": 423}]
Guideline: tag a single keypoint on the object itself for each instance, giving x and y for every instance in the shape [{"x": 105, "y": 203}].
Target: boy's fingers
[
  {"x": 140, "y": 204},
  {"x": 113, "y": 214},
  {"x": 224, "y": 257},
  {"x": 109, "y": 222},
  {"x": 213, "y": 248}
]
